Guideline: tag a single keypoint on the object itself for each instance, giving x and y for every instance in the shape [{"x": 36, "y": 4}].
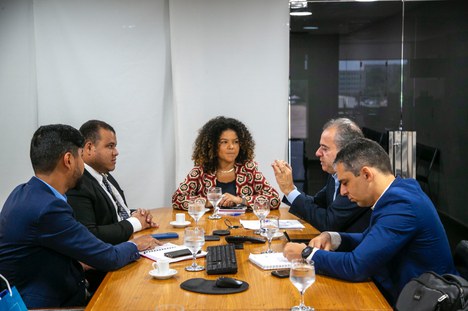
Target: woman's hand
[{"x": 229, "y": 200}]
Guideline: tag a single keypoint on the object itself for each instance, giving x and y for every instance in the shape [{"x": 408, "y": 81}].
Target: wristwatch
[{"x": 306, "y": 252}]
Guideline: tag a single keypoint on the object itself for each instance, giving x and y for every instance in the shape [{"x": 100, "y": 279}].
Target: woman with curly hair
[{"x": 223, "y": 156}]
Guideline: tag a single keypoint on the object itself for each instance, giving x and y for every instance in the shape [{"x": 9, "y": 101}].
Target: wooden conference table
[{"x": 132, "y": 288}]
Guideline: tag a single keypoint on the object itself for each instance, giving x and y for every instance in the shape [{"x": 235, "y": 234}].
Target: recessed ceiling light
[
  {"x": 300, "y": 13},
  {"x": 310, "y": 28}
]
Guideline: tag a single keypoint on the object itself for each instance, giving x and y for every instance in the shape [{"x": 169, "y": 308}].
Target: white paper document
[
  {"x": 159, "y": 251},
  {"x": 283, "y": 223}
]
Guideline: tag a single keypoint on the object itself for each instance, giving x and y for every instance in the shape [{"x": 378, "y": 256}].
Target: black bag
[{"x": 431, "y": 291}]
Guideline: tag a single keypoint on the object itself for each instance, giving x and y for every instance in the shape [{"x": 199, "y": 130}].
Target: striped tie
[{"x": 121, "y": 210}]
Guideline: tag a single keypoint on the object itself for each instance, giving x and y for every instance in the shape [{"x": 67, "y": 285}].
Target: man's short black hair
[
  {"x": 50, "y": 142},
  {"x": 90, "y": 130}
]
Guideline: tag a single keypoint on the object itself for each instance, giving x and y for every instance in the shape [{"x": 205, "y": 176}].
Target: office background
[
  {"x": 156, "y": 70},
  {"x": 346, "y": 60}
]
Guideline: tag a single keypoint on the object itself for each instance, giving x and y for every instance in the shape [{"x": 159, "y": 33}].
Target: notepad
[
  {"x": 283, "y": 223},
  {"x": 159, "y": 251},
  {"x": 235, "y": 211},
  {"x": 270, "y": 261}
]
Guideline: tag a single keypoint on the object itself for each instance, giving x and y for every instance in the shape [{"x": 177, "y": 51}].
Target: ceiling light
[
  {"x": 297, "y": 4},
  {"x": 299, "y": 8},
  {"x": 310, "y": 28},
  {"x": 300, "y": 13}
]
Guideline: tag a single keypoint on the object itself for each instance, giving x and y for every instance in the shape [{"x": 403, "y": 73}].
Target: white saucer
[
  {"x": 156, "y": 275},
  {"x": 277, "y": 235},
  {"x": 181, "y": 224}
]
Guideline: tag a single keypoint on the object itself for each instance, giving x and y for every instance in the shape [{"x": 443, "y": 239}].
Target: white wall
[
  {"x": 231, "y": 58},
  {"x": 156, "y": 70}
]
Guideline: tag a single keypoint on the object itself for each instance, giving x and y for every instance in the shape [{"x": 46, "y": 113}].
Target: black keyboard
[{"x": 221, "y": 259}]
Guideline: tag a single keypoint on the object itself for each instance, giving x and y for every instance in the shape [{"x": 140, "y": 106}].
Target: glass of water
[
  {"x": 261, "y": 209},
  {"x": 214, "y": 196},
  {"x": 194, "y": 238},
  {"x": 302, "y": 275},
  {"x": 269, "y": 225},
  {"x": 196, "y": 209}
]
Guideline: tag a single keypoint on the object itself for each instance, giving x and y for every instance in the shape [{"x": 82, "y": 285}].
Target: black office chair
[
  {"x": 380, "y": 138},
  {"x": 426, "y": 158},
  {"x": 460, "y": 258},
  {"x": 298, "y": 163}
]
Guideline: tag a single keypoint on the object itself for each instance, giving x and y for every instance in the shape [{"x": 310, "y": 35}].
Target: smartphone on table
[{"x": 281, "y": 273}]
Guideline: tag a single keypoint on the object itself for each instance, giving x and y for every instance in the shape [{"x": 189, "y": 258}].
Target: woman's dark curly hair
[{"x": 205, "y": 151}]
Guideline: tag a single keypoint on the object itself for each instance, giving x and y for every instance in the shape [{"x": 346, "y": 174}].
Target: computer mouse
[{"x": 226, "y": 282}]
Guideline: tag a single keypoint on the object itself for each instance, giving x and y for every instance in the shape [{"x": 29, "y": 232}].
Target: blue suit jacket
[
  {"x": 405, "y": 239},
  {"x": 326, "y": 214},
  {"x": 41, "y": 244},
  {"x": 94, "y": 209}
]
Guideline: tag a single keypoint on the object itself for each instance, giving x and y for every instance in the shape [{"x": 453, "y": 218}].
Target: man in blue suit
[
  {"x": 43, "y": 248},
  {"x": 327, "y": 209},
  {"x": 405, "y": 237}
]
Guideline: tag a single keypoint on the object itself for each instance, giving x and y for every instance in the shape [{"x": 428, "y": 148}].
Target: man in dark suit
[
  {"x": 43, "y": 248},
  {"x": 99, "y": 202},
  {"x": 327, "y": 209}
]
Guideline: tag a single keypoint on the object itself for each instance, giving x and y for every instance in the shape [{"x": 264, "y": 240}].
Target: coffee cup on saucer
[
  {"x": 162, "y": 266},
  {"x": 180, "y": 221},
  {"x": 180, "y": 218},
  {"x": 161, "y": 270}
]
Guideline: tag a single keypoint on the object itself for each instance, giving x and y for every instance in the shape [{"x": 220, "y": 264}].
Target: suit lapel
[{"x": 103, "y": 193}]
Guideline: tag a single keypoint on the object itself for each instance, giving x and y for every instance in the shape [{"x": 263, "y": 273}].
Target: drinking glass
[
  {"x": 302, "y": 275},
  {"x": 196, "y": 209},
  {"x": 194, "y": 238},
  {"x": 214, "y": 196},
  {"x": 261, "y": 209},
  {"x": 270, "y": 225}
]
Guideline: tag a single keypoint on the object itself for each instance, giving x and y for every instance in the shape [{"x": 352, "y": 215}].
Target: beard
[
  {"x": 77, "y": 179},
  {"x": 78, "y": 182}
]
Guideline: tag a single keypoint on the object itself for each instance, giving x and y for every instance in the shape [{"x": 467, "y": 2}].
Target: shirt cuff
[
  {"x": 335, "y": 243},
  {"x": 293, "y": 195},
  {"x": 136, "y": 224},
  {"x": 335, "y": 240},
  {"x": 314, "y": 249}
]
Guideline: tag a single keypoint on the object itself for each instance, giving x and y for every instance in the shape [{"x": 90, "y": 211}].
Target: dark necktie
[{"x": 121, "y": 210}]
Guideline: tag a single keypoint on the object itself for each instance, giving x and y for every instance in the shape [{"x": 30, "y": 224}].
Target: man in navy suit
[
  {"x": 102, "y": 207},
  {"x": 405, "y": 237},
  {"x": 327, "y": 209},
  {"x": 43, "y": 248}
]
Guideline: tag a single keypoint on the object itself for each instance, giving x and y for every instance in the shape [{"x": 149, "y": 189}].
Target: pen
[
  {"x": 235, "y": 214},
  {"x": 287, "y": 236}
]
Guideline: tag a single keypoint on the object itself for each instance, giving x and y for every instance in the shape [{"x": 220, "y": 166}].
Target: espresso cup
[
  {"x": 180, "y": 218},
  {"x": 162, "y": 266}
]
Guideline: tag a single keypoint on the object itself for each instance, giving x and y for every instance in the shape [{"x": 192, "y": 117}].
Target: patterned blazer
[{"x": 250, "y": 183}]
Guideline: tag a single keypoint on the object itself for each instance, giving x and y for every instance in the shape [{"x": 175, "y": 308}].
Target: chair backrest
[
  {"x": 460, "y": 258},
  {"x": 298, "y": 163},
  {"x": 380, "y": 138},
  {"x": 426, "y": 157},
  {"x": 372, "y": 134}
]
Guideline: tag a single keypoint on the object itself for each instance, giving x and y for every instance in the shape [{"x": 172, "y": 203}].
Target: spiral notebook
[
  {"x": 159, "y": 251},
  {"x": 270, "y": 261}
]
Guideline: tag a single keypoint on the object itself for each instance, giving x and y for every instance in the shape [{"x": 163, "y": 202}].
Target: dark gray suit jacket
[{"x": 94, "y": 209}]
